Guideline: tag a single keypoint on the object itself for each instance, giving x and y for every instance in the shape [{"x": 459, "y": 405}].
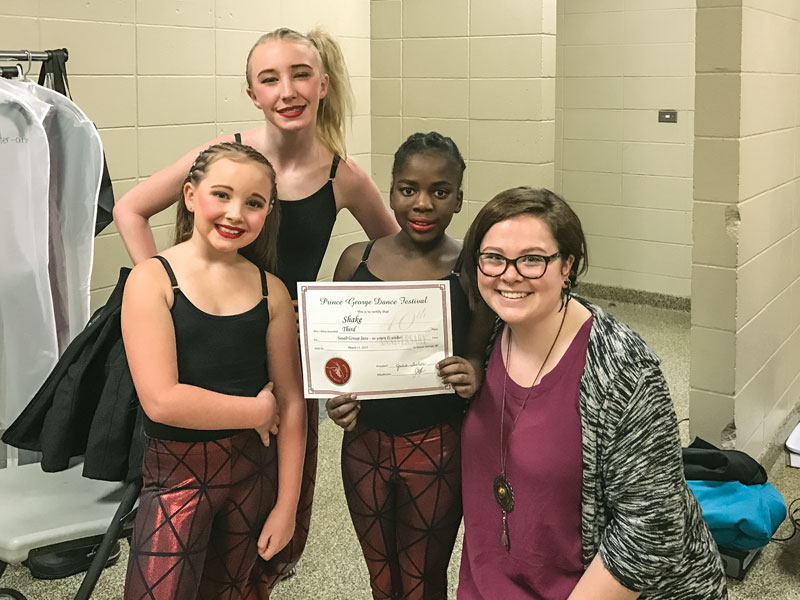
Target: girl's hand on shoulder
[
  {"x": 343, "y": 410},
  {"x": 460, "y": 373},
  {"x": 277, "y": 532},
  {"x": 272, "y": 416}
]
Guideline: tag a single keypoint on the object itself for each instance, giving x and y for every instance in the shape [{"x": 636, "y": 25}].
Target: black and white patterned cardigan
[{"x": 637, "y": 512}]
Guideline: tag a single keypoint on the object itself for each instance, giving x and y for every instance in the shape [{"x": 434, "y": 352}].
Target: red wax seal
[{"x": 337, "y": 370}]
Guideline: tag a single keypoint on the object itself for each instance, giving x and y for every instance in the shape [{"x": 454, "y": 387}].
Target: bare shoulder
[
  {"x": 348, "y": 261},
  {"x": 277, "y": 294},
  {"x": 353, "y": 183},
  {"x": 147, "y": 281}
]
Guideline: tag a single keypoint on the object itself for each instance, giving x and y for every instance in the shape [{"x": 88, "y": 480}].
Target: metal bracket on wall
[{"x": 667, "y": 116}]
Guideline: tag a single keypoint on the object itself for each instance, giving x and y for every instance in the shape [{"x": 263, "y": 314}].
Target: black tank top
[
  {"x": 225, "y": 354},
  {"x": 412, "y": 413},
  {"x": 304, "y": 233}
]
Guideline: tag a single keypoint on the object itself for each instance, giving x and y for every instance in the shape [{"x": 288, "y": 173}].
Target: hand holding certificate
[{"x": 375, "y": 339}]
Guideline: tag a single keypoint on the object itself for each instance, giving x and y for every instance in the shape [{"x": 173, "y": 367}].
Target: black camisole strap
[
  {"x": 457, "y": 267},
  {"x": 334, "y": 166},
  {"x": 367, "y": 250},
  {"x": 263, "y": 283},
  {"x": 169, "y": 271},
  {"x": 238, "y": 137}
]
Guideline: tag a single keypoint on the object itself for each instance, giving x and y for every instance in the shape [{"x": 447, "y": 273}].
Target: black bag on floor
[{"x": 704, "y": 461}]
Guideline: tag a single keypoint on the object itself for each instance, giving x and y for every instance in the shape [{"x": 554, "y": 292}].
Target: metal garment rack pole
[{"x": 29, "y": 55}]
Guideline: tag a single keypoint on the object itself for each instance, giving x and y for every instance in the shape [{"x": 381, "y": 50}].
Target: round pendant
[{"x": 503, "y": 493}]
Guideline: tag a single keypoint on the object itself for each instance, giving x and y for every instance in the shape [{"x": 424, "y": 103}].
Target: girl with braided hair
[{"x": 210, "y": 338}]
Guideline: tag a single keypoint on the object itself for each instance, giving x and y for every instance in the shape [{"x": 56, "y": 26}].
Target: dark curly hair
[{"x": 428, "y": 142}]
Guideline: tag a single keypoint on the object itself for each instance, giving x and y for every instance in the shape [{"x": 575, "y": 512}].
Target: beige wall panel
[
  {"x": 512, "y": 141},
  {"x": 107, "y": 101},
  {"x": 640, "y": 256},
  {"x": 592, "y": 124},
  {"x": 98, "y": 298},
  {"x": 435, "y": 58},
  {"x": 357, "y": 131},
  {"x": 345, "y": 223},
  {"x": 357, "y": 53},
  {"x": 186, "y": 13},
  {"x": 714, "y": 302},
  {"x": 443, "y": 18},
  {"x": 668, "y": 226},
  {"x": 336, "y": 246},
  {"x": 457, "y": 129},
  {"x": 766, "y": 161},
  {"x": 770, "y": 43},
  {"x": 718, "y": 109},
  {"x": 761, "y": 337},
  {"x": 595, "y": 29},
  {"x": 659, "y": 26},
  {"x": 120, "y": 149},
  {"x": 349, "y": 18},
  {"x": 587, "y": 155},
  {"x": 643, "y": 126},
  {"x": 162, "y": 146},
  {"x": 658, "y": 4},
  {"x": 511, "y": 99},
  {"x": 232, "y": 50},
  {"x": 237, "y": 126},
  {"x": 659, "y": 60},
  {"x": 590, "y": 187},
  {"x": 762, "y": 279},
  {"x": 444, "y": 98},
  {"x": 769, "y": 102},
  {"x": 510, "y": 17},
  {"x": 387, "y": 98},
  {"x": 513, "y": 56},
  {"x": 715, "y": 237},
  {"x": 591, "y": 6},
  {"x": 487, "y": 179},
  {"x": 387, "y": 134},
  {"x": 651, "y": 191},
  {"x": 767, "y": 219},
  {"x": 164, "y": 237},
  {"x": 657, "y": 159},
  {"x": 165, "y": 218},
  {"x": 716, "y": 172},
  {"x": 718, "y": 45},
  {"x": 591, "y": 92},
  {"x": 381, "y": 171},
  {"x": 595, "y": 61},
  {"x": 20, "y": 9},
  {"x": 659, "y": 92},
  {"x": 121, "y": 11},
  {"x": 386, "y": 19},
  {"x": 709, "y": 414},
  {"x": 713, "y": 360},
  {"x": 109, "y": 256},
  {"x": 361, "y": 96},
  {"x": 175, "y": 100},
  {"x": 247, "y": 14},
  {"x": 386, "y": 56},
  {"x": 660, "y": 284},
  {"x": 780, "y": 410},
  {"x": 231, "y": 100},
  {"x": 20, "y": 33},
  {"x": 174, "y": 51},
  {"x": 94, "y": 48}
]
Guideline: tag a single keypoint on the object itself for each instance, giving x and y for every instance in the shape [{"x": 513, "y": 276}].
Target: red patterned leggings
[
  {"x": 404, "y": 496},
  {"x": 201, "y": 510}
]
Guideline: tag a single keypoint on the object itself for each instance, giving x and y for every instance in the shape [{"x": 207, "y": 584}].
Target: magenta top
[{"x": 543, "y": 467}]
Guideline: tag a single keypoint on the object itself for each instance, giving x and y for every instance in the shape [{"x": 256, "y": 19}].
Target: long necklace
[{"x": 503, "y": 492}]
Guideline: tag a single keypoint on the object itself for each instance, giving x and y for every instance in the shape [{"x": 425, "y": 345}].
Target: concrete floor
[{"x": 332, "y": 567}]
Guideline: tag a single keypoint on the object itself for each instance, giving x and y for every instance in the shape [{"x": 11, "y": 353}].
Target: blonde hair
[
  {"x": 338, "y": 102},
  {"x": 263, "y": 252}
]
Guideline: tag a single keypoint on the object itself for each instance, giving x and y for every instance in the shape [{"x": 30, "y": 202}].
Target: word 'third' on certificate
[{"x": 376, "y": 339}]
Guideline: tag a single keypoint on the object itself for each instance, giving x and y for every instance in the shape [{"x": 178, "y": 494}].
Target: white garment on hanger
[
  {"x": 28, "y": 345},
  {"x": 76, "y": 168}
]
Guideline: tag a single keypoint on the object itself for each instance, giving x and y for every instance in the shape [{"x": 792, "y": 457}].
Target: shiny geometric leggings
[
  {"x": 404, "y": 496},
  {"x": 201, "y": 510}
]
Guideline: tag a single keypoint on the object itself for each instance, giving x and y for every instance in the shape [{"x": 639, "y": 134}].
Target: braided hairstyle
[
  {"x": 263, "y": 251},
  {"x": 418, "y": 143},
  {"x": 338, "y": 102}
]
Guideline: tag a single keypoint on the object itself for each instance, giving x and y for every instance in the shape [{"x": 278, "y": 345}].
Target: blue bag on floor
[{"x": 740, "y": 516}]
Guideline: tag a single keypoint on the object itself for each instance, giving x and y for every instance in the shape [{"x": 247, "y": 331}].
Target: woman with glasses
[{"x": 572, "y": 477}]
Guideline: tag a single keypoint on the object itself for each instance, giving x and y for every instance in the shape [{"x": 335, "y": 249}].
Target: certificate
[{"x": 374, "y": 339}]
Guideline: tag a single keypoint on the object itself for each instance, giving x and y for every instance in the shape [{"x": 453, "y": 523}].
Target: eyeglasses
[{"x": 530, "y": 266}]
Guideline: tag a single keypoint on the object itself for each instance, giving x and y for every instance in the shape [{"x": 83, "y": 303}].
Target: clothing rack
[{"x": 28, "y": 56}]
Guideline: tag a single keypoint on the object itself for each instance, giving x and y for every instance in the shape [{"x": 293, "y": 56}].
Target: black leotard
[
  {"x": 225, "y": 354},
  {"x": 411, "y": 413}
]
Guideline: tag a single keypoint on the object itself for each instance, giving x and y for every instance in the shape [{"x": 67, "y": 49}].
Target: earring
[{"x": 566, "y": 292}]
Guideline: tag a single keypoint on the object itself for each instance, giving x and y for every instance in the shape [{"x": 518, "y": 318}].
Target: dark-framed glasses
[{"x": 530, "y": 266}]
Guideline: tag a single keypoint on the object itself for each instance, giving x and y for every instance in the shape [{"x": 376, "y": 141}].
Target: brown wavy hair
[{"x": 263, "y": 252}]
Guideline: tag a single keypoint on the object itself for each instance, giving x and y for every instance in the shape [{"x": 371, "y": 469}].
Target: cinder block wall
[
  {"x": 480, "y": 71},
  {"x": 159, "y": 77},
  {"x": 628, "y": 176}
]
